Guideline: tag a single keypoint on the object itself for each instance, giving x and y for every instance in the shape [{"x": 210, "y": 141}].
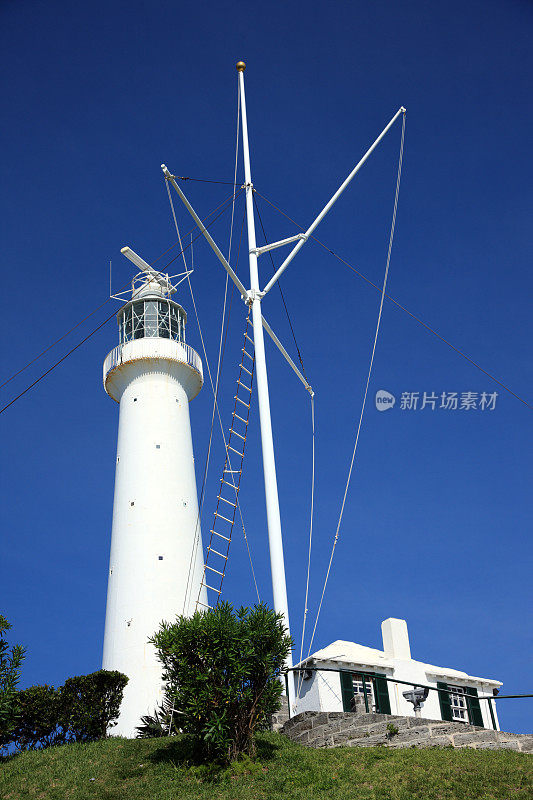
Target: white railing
[
  {"x": 112, "y": 360},
  {"x": 152, "y": 348}
]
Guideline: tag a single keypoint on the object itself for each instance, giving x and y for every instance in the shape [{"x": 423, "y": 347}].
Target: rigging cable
[
  {"x": 223, "y": 203},
  {"x": 350, "y": 470},
  {"x": 397, "y": 303},
  {"x": 48, "y": 371},
  {"x": 212, "y": 388},
  {"x": 225, "y": 293},
  {"x": 72, "y": 350},
  {"x": 64, "y": 336},
  {"x": 312, "y": 457},
  {"x": 196, "y": 538},
  {"x": 204, "y": 180},
  {"x": 301, "y": 677},
  {"x": 221, "y": 350},
  {"x": 280, "y": 289},
  {"x": 77, "y": 325}
]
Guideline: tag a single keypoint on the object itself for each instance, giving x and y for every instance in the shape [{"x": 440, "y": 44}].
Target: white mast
[
  {"x": 275, "y": 541},
  {"x": 253, "y": 297}
]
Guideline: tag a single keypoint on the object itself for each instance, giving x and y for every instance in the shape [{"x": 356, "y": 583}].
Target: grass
[{"x": 161, "y": 769}]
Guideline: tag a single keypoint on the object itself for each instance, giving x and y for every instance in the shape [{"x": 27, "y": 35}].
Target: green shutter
[
  {"x": 381, "y": 691},
  {"x": 474, "y": 709},
  {"x": 445, "y": 702},
  {"x": 347, "y": 691}
]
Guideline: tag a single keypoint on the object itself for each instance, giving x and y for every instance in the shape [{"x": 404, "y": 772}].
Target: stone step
[{"x": 348, "y": 729}]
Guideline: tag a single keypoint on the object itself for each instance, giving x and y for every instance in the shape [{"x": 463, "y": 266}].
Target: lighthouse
[{"x": 156, "y": 560}]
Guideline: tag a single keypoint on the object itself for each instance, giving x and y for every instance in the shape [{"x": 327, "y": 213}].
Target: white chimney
[{"x": 396, "y": 639}]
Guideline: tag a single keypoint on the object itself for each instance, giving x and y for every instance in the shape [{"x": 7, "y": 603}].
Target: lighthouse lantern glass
[{"x": 162, "y": 319}]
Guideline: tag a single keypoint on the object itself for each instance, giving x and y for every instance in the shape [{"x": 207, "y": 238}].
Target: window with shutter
[
  {"x": 474, "y": 708},
  {"x": 347, "y": 691},
  {"x": 445, "y": 702},
  {"x": 372, "y": 685},
  {"x": 461, "y": 707},
  {"x": 363, "y": 686},
  {"x": 382, "y": 695}
]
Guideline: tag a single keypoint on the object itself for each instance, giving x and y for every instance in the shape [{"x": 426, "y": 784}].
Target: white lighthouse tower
[{"x": 156, "y": 562}]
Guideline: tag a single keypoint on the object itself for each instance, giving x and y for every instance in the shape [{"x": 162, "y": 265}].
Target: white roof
[{"x": 350, "y": 653}]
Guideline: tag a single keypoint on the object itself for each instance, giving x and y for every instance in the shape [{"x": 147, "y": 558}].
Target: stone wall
[
  {"x": 349, "y": 729},
  {"x": 278, "y": 720}
]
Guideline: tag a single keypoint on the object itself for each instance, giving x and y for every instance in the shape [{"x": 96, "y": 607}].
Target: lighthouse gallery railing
[{"x": 152, "y": 348}]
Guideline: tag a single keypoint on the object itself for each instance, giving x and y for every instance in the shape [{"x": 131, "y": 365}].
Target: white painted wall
[
  {"x": 323, "y": 691},
  {"x": 413, "y": 671},
  {"x": 154, "y": 519},
  {"x": 320, "y": 692},
  {"x": 329, "y": 687},
  {"x": 308, "y": 696}
]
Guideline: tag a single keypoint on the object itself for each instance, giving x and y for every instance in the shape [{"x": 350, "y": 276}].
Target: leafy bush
[
  {"x": 223, "y": 670},
  {"x": 38, "y": 720},
  {"x": 79, "y": 711},
  {"x": 163, "y": 722},
  {"x": 10, "y": 664},
  {"x": 90, "y": 704}
]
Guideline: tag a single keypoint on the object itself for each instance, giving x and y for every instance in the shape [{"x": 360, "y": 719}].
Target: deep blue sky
[{"x": 438, "y": 520}]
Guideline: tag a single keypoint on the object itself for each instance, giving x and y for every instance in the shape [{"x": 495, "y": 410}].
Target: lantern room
[{"x": 151, "y": 317}]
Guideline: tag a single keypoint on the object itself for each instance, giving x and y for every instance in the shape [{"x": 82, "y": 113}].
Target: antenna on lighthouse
[
  {"x": 150, "y": 279},
  {"x": 142, "y": 264}
]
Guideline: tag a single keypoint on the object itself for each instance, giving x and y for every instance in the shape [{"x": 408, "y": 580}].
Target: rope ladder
[{"x": 226, "y": 507}]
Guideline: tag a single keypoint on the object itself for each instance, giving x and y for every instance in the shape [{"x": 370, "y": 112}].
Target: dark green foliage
[
  {"x": 392, "y": 730},
  {"x": 163, "y": 722},
  {"x": 80, "y": 711},
  {"x": 90, "y": 704},
  {"x": 10, "y": 664},
  {"x": 222, "y": 670},
  {"x": 38, "y": 720}
]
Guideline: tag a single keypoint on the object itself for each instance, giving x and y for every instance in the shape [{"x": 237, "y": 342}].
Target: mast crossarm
[
  {"x": 272, "y": 246},
  {"x": 286, "y": 356},
  {"x": 240, "y": 286},
  {"x": 331, "y": 202}
]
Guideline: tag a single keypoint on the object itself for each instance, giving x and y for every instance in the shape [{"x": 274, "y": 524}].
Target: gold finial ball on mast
[{"x": 241, "y": 66}]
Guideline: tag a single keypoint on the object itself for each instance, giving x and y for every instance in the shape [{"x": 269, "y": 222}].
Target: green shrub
[
  {"x": 38, "y": 719},
  {"x": 163, "y": 722},
  {"x": 10, "y": 664},
  {"x": 223, "y": 670},
  {"x": 79, "y": 711},
  {"x": 90, "y": 704}
]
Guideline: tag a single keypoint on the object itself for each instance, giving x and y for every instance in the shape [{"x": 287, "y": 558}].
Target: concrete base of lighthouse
[{"x": 156, "y": 560}]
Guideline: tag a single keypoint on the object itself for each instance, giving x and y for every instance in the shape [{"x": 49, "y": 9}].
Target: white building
[
  {"x": 334, "y": 681},
  {"x": 156, "y": 560}
]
